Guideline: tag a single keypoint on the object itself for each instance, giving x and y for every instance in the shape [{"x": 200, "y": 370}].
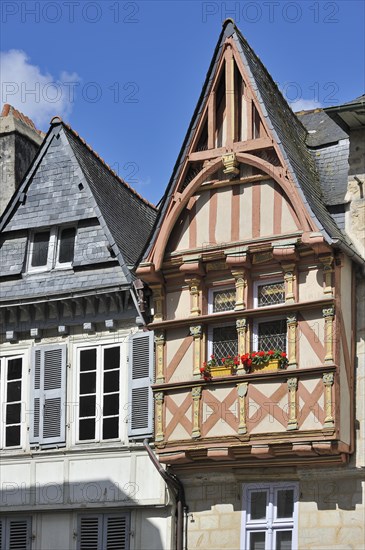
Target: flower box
[
  {"x": 222, "y": 370},
  {"x": 272, "y": 365}
]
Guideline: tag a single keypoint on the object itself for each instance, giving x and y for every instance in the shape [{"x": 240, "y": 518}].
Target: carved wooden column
[
  {"x": 291, "y": 322},
  {"x": 289, "y": 279},
  {"x": 241, "y": 325},
  {"x": 327, "y": 262},
  {"x": 159, "y": 398},
  {"x": 328, "y": 314},
  {"x": 160, "y": 355},
  {"x": 196, "y": 394},
  {"x": 292, "y": 388},
  {"x": 242, "y": 392},
  {"x": 240, "y": 283},
  {"x": 158, "y": 302},
  {"x": 196, "y": 332},
  {"x": 194, "y": 296},
  {"x": 328, "y": 383}
]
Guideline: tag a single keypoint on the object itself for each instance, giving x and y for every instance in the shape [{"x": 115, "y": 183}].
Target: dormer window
[{"x": 51, "y": 248}]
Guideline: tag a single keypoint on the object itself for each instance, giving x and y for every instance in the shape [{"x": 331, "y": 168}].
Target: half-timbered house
[{"x": 250, "y": 261}]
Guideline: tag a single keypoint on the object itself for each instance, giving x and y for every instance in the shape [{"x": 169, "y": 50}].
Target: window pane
[
  {"x": 271, "y": 294},
  {"x": 285, "y": 503},
  {"x": 67, "y": 245},
  {"x": 111, "y": 381},
  {"x": 258, "y": 504},
  {"x": 283, "y": 540},
  {"x": 224, "y": 300},
  {"x": 88, "y": 359},
  {"x": 87, "y": 429},
  {"x": 225, "y": 342},
  {"x": 272, "y": 335},
  {"x": 87, "y": 405},
  {"x": 257, "y": 541},
  {"x": 87, "y": 382},
  {"x": 14, "y": 369},
  {"x": 14, "y": 391},
  {"x": 13, "y": 414},
  {"x": 112, "y": 358},
  {"x": 111, "y": 404},
  {"x": 12, "y": 436},
  {"x": 110, "y": 428},
  {"x": 40, "y": 248}
]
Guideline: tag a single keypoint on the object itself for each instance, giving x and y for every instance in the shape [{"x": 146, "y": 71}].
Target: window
[
  {"x": 99, "y": 383},
  {"x": 270, "y": 516},
  {"x": 52, "y": 248},
  {"x": 269, "y": 294},
  {"x": 103, "y": 532},
  {"x": 101, "y": 378},
  {"x": 270, "y": 335},
  {"x": 48, "y": 395},
  {"x": 15, "y": 533},
  {"x": 223, "y": 341},
  {"x": 11, "y": 371},
  {"x": 223, "y": 299}
]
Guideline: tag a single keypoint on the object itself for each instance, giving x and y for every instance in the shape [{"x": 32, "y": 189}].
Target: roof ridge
[{"x": 58, "y": 120}]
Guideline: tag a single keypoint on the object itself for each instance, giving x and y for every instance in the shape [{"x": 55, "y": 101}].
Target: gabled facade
[
  {"x": 76, "y": 365},
  {"x": 247, "y": 258}
]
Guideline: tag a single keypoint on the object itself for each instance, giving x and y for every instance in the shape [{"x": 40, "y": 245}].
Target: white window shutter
[
  {"x": 140, "y": 380},
  {"x": 18, "y": 536},
  {"x": 49, "y": 395},
  {"x": 116, "y": 532},
  {"x": 90, "y": 532}
]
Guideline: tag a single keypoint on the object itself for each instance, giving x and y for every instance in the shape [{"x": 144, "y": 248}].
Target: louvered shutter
[
  {"x": 2, "y": 530},
  {"x": 140, "y": 380},
  {"x": 90, "y": 532},
  {"x": 18, "y": 536},
  {"x": 49, "y": 395},
  {"x": 116, "y": 532}
]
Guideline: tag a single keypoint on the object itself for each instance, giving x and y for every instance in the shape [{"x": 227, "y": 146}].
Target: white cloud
[
  {"x": 40, "y": 96},
  {"x": 305, "y": 105}
]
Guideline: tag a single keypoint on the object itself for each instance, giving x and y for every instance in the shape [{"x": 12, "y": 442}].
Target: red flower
[
  {"x": 253, "y": 354},
  {"x": 244, "y": 357},
  {"x": 261, "y": 353},
  {"x": 249, "y": 362},
  {"x": 202, "y": 369},
  {"x": 212, "y": 356},
  {"x": 283, "y": 354},
  {"x": 270, "y": 352},
  {"x": 236, "y": 361},
  {"x": 223, "y": 359}
]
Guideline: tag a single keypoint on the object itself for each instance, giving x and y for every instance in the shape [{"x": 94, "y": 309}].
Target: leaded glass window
[
  {"x": 225, "y": 341},
  {"x": 272, "y": 335},
  {"x": 224, "y": 300},
  {"x": 271, "y": 294}
]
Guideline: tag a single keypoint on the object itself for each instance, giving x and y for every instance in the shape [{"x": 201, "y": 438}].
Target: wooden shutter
[
  {"x": 48, "y": 395},
  {"x": 116, "y": 532},
  {"x": 18, "y": 534},
  {"x": 90, "y": 532},
  {"x": 140, "y": 380}
]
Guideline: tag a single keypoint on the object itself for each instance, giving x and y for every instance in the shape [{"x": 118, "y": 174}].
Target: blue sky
[{"x": 126, "y": 75}]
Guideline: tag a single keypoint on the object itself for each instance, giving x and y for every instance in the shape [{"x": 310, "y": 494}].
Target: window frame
[
  {"x": 210, "y": 336},
  {"x": 271, "y": 524},
  {"x": 4, "y": 361},
  {"x": 258, "y": 283},
  {"x": 211, "y": 292},
  {"x": 53, "y": 249},
  {"x": 255, "y": 330},
  {"x": 99, "y": 393}
]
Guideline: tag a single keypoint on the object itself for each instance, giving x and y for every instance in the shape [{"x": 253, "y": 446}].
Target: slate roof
[
  {"x": 129, "y": 216},
  {"x": 322, "y": 130},
  {"x": 290, "y": 134}
]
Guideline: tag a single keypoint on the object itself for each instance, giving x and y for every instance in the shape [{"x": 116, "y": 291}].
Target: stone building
[
  {"x": 258, "y": 254},
  {"x": 19, "y": 142},
  {"x": 76, "y": 366}
]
